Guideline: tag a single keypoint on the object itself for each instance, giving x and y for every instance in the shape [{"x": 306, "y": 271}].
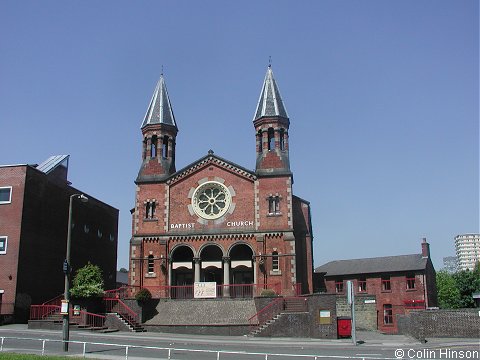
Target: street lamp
[{"x": 66, "y": 270}]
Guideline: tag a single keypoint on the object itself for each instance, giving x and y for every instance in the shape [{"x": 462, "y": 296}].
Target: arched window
[
  {"x": 271, "y": 139},
  {"x": 165, "y": 147},
  {"x": 282, "y": 139},
  {"x": 144, "y": 149},
  {"x": 260, "y": 141},
  {"x": 151, "y": 267},
  {"x": 275, "y": 261},
  {"x": 273, "y": 205},
  {"x": 153, "y": 147},
  {"x": 150, "y": 207},
  {"x": 147, "y": 209}
]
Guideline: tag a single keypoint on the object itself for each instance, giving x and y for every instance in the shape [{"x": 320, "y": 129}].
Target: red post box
[{"x": 344, "y": 327}]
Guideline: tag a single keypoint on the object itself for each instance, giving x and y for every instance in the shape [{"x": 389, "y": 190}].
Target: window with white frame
[
  {"x": 5, "y": 195},
  {"x": 275, "y": 261},
  {"x": 151, "y": 265},
  {"x": 3, "y": 245}
]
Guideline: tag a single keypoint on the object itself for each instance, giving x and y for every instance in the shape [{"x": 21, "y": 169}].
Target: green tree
[
  {"x": 447, "y": 291},
  {"x": 88, "y": 282},
  {"x": 467, "y": 283}
]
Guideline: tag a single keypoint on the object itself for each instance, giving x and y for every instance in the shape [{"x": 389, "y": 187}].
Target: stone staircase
[
  {"x": 121, "y": 323},
  {"x": 290, "y": 306},
  {"x": 211, "y": 312}
]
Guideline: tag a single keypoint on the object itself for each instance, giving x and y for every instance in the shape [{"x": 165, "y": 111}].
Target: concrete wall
[{"x": 440, "y": 323}]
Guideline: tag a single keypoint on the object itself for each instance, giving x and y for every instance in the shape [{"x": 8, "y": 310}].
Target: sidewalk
[{"x": 364, "y": 338}]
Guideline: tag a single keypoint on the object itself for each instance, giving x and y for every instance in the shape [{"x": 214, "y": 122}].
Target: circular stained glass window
[{"x": 211, "y": 200}]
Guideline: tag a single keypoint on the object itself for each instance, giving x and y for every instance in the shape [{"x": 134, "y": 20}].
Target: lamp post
[{"x": 66, "y": 270}]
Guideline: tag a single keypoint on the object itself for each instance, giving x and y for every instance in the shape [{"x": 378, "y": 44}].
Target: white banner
[{"x": 203, "y": 290}]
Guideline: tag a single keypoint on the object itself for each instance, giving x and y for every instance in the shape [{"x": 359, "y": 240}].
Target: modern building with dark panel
[
  {"x": 214, "y": 221},
  {"x": 400, "y": 283},
  {"x": 34, "y": 206}
]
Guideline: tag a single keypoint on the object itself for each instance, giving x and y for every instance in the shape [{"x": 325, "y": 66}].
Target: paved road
[{"x": 372, "y": 346}]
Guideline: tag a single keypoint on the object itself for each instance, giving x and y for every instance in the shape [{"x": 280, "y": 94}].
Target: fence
[
  {"x": 164, "y": 352},
  {"x": 79, "y": 317},
  {"x": 119, "y": 307},
  {"x": 186, "y": 291}
]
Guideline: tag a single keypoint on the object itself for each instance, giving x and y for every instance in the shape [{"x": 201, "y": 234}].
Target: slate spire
[
  {"x": 160, "y": 109},
  {"x": 271, "y": 124},
  {"x": 159, "y": 131},
  {"x": 270, "y": 102}
]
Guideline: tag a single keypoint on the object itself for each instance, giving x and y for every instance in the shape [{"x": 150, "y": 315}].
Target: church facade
[{"x": 217, "y": 222}]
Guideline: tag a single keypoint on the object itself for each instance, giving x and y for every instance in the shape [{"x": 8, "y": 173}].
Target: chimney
[{"x": 425, "y": 248}]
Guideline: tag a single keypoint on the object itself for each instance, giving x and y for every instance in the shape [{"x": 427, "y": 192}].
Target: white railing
[{"x": 169, "y": 351}]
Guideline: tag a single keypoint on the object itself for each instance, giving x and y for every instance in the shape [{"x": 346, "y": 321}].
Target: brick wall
[
  {"x": 10, "y": 226},
  {"x": 36, "y": 225},
  {"x": 440, "y": 323},
  {"x": 175, "y": 224},
  {"x": 395, "y": 297}
]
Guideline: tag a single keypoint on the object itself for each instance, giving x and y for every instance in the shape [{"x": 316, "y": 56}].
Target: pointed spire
[
  {"x": 270, "y": 102},
  {"x": 160, "y": 110}
]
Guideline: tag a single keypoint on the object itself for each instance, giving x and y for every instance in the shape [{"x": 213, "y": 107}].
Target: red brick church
[{"x": 214, "y": 221}]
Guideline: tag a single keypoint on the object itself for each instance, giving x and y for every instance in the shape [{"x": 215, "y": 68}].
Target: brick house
[
  {"x": 34, "y": 203},
  {"x": 399, "y": 283},
  {"x": 216, "y": 221}
]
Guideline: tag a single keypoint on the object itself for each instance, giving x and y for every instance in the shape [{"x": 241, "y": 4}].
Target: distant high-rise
[
  {"x": 450, "y": 264},
  {"x": 467, "y": 247}
]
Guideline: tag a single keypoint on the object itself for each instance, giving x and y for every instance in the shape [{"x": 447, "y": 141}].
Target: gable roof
[
  {"x": 373, "y": 265},
  {"x": 210, "y": 158}
]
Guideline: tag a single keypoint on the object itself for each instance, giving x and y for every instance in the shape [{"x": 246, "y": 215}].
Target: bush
[
  {"x": 268, "y": 292},
  {"x": 143, "y": 295},
  {"x": 88, "y": 282}
]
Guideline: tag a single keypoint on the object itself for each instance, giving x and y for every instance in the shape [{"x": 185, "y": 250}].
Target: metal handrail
[
  {"x": 273, "y": 309},
  {"x": 57, "y": 300},
  {"x": 41, "y": 312},
  {"x": 186, "y": 291},
  {"x": 119, "y": 307},
  {"x": 267, "y": 312}
]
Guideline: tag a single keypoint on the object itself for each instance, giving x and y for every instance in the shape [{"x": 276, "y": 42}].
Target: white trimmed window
[
  {"x": 5, "y": 195},
  {"x": 275, "y": 261},
  {"x": 151, "y": 265},
  {"x": 3, "y": 245}
]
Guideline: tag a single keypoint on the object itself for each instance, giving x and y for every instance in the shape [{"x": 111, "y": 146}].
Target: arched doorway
[
  {"x": 241, "y": 274},
  {"x": 212, "y": 267},
  {"x": 182, "y": 273}
]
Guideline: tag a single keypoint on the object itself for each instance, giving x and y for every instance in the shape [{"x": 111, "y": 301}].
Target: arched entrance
[
  {"x": 211, "y": 260},
  {"x": 242, "y": 273},
  {"x": 182, "y": 273}
]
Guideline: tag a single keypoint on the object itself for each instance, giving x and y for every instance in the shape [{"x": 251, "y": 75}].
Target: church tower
[
  {"x": 159, "y": 131},
  {"x": 271, "y": 126}
]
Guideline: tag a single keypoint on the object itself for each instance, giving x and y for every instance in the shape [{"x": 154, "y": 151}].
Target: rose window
[{"x": 211, "y": 200}]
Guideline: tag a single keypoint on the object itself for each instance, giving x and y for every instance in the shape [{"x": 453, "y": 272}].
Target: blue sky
[{"x": 382, "y": 98}]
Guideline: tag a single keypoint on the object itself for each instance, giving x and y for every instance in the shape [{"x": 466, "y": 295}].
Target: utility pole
[{"x": 351, "y": 302}]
